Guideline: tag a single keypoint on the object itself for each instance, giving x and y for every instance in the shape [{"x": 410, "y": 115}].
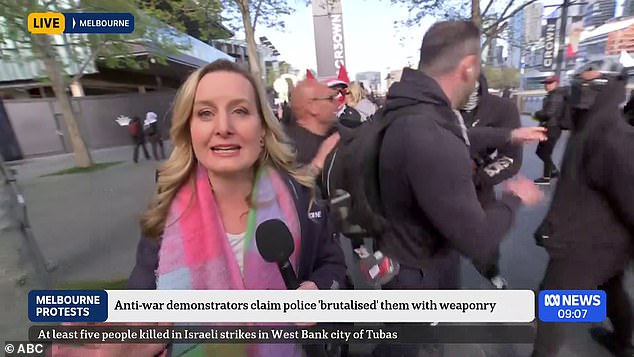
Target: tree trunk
[
  {"x": 43, "y": 47},
  {"x": 252, "y": 49},
  {"x": 486, "y": 46},
  {"x": 475, "y": 12}
]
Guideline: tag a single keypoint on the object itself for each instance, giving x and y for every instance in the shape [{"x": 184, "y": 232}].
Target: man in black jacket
[
  {"x": 313, "y": 131},
  {"x": 549, "y": 117},
  {"x": 492, "y": 165},
  {"x": 426, "y": 171},
  {"x": 589, "y": 228}
]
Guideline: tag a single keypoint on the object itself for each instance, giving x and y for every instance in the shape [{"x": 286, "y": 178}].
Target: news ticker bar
[
  {"x": 282, "y": 306},
  {"x": 55, "y": 23},
  {"x": 324, "y": 306},
  {"x": 321, "y": 333}
]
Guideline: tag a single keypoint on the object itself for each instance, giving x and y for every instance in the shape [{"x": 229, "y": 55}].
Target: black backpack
[{"x": 350, "y": 177}]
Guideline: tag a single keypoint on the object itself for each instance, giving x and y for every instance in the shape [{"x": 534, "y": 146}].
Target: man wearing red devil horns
[{"x": 346, "y": 115}]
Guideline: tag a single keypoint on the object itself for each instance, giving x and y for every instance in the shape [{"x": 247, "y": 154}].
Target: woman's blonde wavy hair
[
  {"x": 356, "y": 94},
  {"x": 180, "y": 166}
]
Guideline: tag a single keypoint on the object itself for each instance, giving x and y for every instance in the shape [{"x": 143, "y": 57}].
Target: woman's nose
[{"x": 224, "y": 125}]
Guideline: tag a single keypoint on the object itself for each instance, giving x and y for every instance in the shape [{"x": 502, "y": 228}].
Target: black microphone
[{"x": 275, "y": 244}]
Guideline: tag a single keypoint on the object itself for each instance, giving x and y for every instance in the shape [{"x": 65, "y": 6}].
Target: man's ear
[{"x": 468, "y": 67}]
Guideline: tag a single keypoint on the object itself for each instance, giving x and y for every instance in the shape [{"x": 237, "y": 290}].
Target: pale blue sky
[{"x": 372, "y": 42}]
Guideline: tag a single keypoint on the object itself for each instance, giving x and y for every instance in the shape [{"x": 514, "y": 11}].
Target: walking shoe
[
  {"x": 605, "y": 338},
  {"x": 542, "y": 181},
  {"x": 554, "y": 174},
  {"x": 499, "y": 282}
]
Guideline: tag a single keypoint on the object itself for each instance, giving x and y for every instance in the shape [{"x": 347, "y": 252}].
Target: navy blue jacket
[{"x": 321, "y": 259}]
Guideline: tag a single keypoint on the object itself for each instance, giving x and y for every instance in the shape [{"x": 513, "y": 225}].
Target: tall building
[
  {"x": 628, "y": 8},
  {"x": 392, "y": 77},
  {"x": 516, "y": 39},
  {"x": 371, "y": 80},
  {"x": 598, "y": 12},
  {"x": 499, "y": 56},
  {"x": 621, "y": 38},
  {"x": 533, "y": 22}
]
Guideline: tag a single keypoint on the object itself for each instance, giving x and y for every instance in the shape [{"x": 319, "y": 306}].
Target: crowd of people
[{"x": 445, "y": 143}]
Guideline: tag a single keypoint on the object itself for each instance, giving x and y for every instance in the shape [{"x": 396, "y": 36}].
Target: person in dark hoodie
[
  {"x": 589, "y": 228},
  {"x": 493, "y": 165},
  {"x": 550, "y": 116},
  {"x": 426, "y": 171}
]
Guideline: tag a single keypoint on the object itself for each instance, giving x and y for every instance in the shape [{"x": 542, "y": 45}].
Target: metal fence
[{"x": 14, "y": 212}]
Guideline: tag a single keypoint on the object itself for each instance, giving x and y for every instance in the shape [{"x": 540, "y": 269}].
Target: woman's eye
[
  {"x": 241, "y": 111},
  {"x": 205, "y": 114}
]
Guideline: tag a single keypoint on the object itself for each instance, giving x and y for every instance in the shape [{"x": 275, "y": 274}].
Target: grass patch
[
  {"x": 94, "y": 285},
  {"x": 83, "y": 170}
]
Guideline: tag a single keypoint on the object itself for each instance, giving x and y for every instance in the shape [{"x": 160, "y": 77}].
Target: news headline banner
[
  {"x": 322, "y": 333},
  {"x": 274, "y": 306}
]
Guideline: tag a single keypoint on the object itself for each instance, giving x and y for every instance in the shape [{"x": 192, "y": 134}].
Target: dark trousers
[
  {"x": 545, "y": 150},
  {"x": 135, "y": 155},
  {"x": 444, "y": 273},
  {"x": 489, "y": 268},
  {"x": 157, "y": 144},
  {"x": 566, "y": 275}
]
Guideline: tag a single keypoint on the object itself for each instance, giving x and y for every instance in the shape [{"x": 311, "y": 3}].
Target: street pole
[{"x": 562, "y": 38}]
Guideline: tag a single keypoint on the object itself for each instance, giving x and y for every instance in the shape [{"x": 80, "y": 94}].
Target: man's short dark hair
[{"x": 446, "y": 43}]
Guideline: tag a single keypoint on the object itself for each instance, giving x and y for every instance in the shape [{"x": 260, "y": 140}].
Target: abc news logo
[{"x": 571, "y": 300}]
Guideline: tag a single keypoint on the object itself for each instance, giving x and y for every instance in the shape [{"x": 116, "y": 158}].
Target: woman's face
[{"x": 226, "y": 129}]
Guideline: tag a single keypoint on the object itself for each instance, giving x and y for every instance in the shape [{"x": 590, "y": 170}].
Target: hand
[
  {"x": 325, "y": 149},
  {"x": 307, "y": 285},
  {"x": 526, "y": 190},
  {"x": 528, "y": 134}
]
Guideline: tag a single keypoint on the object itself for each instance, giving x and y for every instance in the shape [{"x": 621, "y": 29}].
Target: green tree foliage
[
  {"x": 63, "y": 59},
  {"x": 500, "y": 77}
]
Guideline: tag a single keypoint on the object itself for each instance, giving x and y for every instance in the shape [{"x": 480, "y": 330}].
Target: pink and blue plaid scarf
[{"x": 196, "y": 254}]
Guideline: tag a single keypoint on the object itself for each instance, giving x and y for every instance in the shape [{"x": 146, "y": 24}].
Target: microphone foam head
[{"x": 274, "y": 241}]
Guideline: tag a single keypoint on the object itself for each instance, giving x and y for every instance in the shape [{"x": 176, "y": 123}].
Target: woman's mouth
[{"x": 225, "y": 149}]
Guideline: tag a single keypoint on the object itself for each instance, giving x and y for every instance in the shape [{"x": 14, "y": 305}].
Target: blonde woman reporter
[
  {"x": 357, "y": 99},
  {"x": 229, "y": 171}
]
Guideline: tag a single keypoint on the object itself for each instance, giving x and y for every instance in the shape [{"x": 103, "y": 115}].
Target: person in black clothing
[
  {"x": 426, "y": 172},
  {"x": 313, "y": 129},
  {"x": 506, "y": 93},
  {"x": 347, "y": 116},
  {"x": 549, "y": 116},
  {"x": 154, "y": 135},
  {"x": 138, "y": 139},
  {"x": 493, "y": 165},
  {"x": 589, "y": 228},
  {"x": 628, "y": 110}
]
